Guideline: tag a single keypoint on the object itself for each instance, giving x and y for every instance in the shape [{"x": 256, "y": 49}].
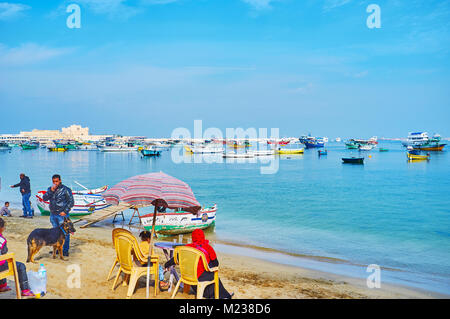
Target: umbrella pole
[{"x": 150, "y": 252}]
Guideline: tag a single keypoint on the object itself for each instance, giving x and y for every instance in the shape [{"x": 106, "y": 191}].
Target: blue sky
[{"x": 145, "y": 67}]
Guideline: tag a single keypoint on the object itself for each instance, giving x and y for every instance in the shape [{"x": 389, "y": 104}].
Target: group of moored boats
[{"x": 146, "y": 149}]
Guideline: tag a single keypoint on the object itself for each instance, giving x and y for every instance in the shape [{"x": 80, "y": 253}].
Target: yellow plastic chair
[
  {"x": 115, "y": 231},
  {"x": 11, "y": 271},
  {"x": 126, "y": 246},
  {"x": 188, "y": 258}
]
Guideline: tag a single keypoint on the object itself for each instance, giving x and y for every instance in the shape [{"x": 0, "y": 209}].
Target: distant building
[{"x": 75, "y": 131}]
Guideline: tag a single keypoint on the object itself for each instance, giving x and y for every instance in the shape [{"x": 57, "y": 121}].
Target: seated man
[{"x": 21, "y": 269}]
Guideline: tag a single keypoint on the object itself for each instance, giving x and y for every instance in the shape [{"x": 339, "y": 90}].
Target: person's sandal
[
  {"x": 164, "y": 285},
  {"x": 27, "y": 293},
  {"x": 5, "y": 289}
]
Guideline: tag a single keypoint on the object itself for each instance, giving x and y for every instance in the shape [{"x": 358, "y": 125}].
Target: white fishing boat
[
  {"x": 366, "y": 147},
  {"x": 118, "y": 148},
  {"x": 203, "y": 149},
  {"x": 91, "y": 191},
  {"x": 262, "y": 153},
  {"x": 85, "y": 204},
  {"x": 179, "y": 221},
  {"x": 238, "y": 155},
  {"x": 87, "y": 147}
]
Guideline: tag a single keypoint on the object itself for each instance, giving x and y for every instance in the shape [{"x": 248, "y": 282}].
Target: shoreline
[{"x": 246, "y": 276}]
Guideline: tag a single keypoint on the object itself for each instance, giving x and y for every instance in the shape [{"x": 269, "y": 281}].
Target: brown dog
[{"x": 55, "y": 237}]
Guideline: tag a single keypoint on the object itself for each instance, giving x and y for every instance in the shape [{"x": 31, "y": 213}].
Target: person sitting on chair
[
  {"x": 144, "y": 247},
  {"x": 199, "y": 242},
  {"x": 21, "y": 268}
]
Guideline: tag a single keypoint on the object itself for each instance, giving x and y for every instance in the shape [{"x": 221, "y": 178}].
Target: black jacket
[
  {"x": 61, "y": 200},
  {"x": 25, "y": 185}
]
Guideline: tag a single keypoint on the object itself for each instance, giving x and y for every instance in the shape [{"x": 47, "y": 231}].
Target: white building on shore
[{"x": 73, "y": 132}]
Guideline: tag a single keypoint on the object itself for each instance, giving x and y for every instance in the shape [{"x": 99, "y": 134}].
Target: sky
[{"x": 146, "y": 67}]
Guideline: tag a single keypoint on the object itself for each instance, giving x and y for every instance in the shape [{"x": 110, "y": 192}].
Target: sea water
[{"x": 388, "y": 212}]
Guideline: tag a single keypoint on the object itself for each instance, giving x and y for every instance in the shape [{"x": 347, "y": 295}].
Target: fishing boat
[
  {"x": 312, "y": 142},
  {"x": 290, "y": 151},
  {"x": 179, "y": 221},
  {"x": 57, "y": 149},
  {"x": 203, "y": 149},
  {"x": 263, "y": 153},
  {"x": 85, "y": 204},
  {"x": 87, "y": 191},
  {"x": 415, "y": 155},
  {"x": 421, "y": 141},
  {"x": 29, "y": 146},
  {"x": 150, "y": 151},
  {"x": 351, "y": 145},
  {"x": 322, "y": 152},
  {"x": 353, "y": 160},
  {"x": 4, "y": 147},
  {"x": 238, "y": 155},
  {"x": 118, "y": 148},
  {"x": 338, "y": 139},
  {"x": 87, "y": 147},
  {"x": 366, "y": 147},
  {"x": 278, "y": 142},
  {"x": 383, "y": 149}
]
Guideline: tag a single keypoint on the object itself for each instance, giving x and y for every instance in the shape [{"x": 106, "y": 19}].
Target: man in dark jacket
[
  {"x": 25, "y": 190},
  {"x": 61, "y": 202}
]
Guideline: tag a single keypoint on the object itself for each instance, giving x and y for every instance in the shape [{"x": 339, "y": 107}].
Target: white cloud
[
  {"x": 11, "y": 10},
  {"x": 28, "y": 53}
]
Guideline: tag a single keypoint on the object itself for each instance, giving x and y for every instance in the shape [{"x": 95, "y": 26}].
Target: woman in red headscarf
[{"x": 199, "y": 242}]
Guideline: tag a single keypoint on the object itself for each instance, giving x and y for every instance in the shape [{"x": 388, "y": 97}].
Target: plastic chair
[
  {"x": 188, "y": 259},
  {"x": 115, "y": 231},
  {"x": 11, "y": 271},
  {"x": 126, "y": 244}
]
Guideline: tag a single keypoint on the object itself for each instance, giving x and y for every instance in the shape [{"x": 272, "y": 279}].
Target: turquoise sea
[{"x": 388, "y": 212}]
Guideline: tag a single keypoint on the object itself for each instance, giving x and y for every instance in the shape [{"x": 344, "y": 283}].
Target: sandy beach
[{"x": 247, "y": 277}]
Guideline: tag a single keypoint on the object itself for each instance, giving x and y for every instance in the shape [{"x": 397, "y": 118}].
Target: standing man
[
  {"x": 61, "y": 202},
  {"x": 25, "y": 190}
]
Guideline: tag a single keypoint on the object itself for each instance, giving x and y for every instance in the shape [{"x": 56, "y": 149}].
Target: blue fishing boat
[
  {"x": 322, "y": 152},
  {"x": 312, "y": 142},
  {"x": 150, "y": 152}
]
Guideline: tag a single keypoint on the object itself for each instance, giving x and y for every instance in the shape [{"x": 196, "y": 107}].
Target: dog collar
[{"x": 62, "y": 229}]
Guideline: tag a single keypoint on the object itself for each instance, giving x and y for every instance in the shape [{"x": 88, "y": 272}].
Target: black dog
[{"x": 55, "y": 237}]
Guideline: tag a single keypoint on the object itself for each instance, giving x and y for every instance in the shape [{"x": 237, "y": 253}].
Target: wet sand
[{"x": 247, "y": 277}]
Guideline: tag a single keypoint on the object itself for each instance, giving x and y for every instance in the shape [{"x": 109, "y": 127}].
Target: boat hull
[
  {"x": 439, "y": 147},
  {"x": 85, "y": 204},
  {"x": 290, "y": 151},
  {"x": 180, "y": 222},
  {"x": 145, "y": 152},
  {"x": 314, "y": 145},
  {"x": 413, "y": 157},
  {"x": 353, "y": 160}
]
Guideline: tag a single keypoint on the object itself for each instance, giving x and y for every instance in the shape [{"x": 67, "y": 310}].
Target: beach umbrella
[{"x": 157, "y": 189}]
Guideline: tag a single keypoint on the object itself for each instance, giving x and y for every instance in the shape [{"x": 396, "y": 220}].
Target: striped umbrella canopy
[{"x": 158, "y": 189}]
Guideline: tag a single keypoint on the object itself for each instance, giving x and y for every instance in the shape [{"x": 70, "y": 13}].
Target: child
[
  {"x": 5, "y": 210},
  {"x": 21, "y": 269},
  {"x": 144, "y": 246}
]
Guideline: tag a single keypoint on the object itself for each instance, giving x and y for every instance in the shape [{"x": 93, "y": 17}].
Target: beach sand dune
[{"x": 92, "y": 251}]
